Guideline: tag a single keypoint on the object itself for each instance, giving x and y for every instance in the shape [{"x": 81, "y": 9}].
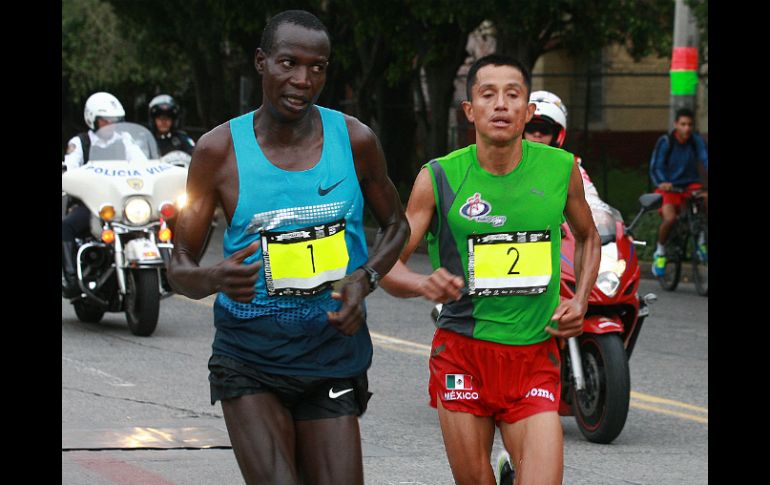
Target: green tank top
[{"x": 502, "y": 233}]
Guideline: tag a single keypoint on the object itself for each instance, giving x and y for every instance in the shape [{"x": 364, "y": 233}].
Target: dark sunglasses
[{"x": 543, "y": 128}]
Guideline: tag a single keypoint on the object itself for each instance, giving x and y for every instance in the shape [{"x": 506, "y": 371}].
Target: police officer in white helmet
[{"x": 102, "y": 109}]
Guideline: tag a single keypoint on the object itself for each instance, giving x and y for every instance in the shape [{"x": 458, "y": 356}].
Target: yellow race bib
[
  {"x": 509, "y": 263},
  {"x": 304, "y": 261}
]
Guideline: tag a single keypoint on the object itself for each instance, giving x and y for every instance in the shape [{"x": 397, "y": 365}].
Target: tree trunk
[
  {"x": 440, "y": 78},
  {"x": 395, "y": 115}
]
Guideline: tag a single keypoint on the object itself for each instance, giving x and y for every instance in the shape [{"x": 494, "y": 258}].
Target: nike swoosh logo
[
  {"x": 335, "y": 395},
  {"x": 323, "y": 192}
]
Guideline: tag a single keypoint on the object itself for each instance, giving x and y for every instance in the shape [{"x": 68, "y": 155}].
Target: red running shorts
[{"x": 507, "y": 382}]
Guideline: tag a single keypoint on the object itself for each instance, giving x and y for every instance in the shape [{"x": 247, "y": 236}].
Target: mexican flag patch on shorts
[{"x": 459, "y": 381}]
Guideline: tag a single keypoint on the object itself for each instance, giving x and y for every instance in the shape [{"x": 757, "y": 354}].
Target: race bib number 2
[
  {"x": 509, "y": 263},
  {"x": 304, "y": 261}
]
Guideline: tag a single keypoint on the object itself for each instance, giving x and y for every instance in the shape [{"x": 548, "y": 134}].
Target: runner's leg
[
  {"x": 468, "y": 442},
  {"x": 329, "y": 451},
  {"x": 262, "y": 434},
  {"x": 536, "y": 445}
]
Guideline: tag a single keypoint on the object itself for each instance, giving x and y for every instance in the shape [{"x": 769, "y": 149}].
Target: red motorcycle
[{"x": 596, "y": 384}]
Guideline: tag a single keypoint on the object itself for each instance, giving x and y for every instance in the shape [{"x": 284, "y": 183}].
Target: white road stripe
[{"x": 109, "y": 378}]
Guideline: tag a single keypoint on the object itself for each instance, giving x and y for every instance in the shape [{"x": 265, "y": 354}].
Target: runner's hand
[
  {"x": 236, "y": 279},
  {"x": 569, "y": 316},
  {"x": 351, "y": 292},
  {"x": 441, "y": 286}
]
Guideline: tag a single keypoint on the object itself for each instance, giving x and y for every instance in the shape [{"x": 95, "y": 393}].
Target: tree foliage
[{"x": 203, "y": 50}]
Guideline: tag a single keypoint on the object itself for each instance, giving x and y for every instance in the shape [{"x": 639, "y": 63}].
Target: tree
[
  {"x": 101, "y": 52},
  {"x": 527, "y": 30}
]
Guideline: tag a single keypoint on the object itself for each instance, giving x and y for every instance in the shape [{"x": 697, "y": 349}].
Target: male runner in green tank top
[{"x": 491, "y": 214}]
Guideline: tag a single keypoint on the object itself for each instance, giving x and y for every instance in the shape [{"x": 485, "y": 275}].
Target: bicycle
[{"x": 688, "y": 241}]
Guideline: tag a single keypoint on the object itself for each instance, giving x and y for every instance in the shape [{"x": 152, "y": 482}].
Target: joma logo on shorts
[
  {"x": 540, "y": 393},
  {"x": 455, "y": 395}
]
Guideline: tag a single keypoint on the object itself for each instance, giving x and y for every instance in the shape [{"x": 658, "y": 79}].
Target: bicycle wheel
[
  {"x": 670, "y": 280},
  {"x": 700, "y": 263}
]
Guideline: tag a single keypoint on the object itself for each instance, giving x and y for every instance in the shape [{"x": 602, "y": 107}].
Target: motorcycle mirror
[
  {"x": 648, "y": 202},
  {"x": 651, "y": 201}
]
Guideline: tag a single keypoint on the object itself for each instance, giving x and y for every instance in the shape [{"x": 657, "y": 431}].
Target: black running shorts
[{"x": 305, "y": 397}]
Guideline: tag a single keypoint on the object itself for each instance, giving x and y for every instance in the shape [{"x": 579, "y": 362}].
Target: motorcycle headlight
[
  {"x": 138, "y": 211},
  {"x": 181, "y": 200},
  {"x": 608, "y": 283}
]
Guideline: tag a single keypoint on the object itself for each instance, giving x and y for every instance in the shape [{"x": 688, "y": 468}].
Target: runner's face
[
  {"x": 294, "y": 74},
  {"x": 499, "y": 105}
]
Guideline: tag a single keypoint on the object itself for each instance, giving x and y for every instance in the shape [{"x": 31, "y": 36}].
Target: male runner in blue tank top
[{"x": 290, "y": 353}]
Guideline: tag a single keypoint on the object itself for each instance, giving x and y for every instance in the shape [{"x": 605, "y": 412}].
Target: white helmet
[
  {"x": 551, "y": 108},
  {"x": 102, "y": 105}
]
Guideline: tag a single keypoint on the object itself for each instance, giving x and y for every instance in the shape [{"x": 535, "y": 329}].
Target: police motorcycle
[
  {"x": 121, "y": 263},
  {"x": 595, "y": 378},
  {"x": 178, "y": 158}
]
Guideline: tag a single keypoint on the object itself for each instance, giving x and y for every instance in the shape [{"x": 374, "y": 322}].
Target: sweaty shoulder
[
  {"x": 214, "y": 146},
  {"x": 361, "y": 136},
  {"x": 368, "y": 156}
]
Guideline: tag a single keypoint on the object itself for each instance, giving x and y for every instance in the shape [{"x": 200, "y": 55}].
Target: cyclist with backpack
[{"x": 678, "y": 167}]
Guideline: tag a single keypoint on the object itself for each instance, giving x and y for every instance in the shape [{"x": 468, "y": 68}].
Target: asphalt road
[{"x": 137, "y": 410}]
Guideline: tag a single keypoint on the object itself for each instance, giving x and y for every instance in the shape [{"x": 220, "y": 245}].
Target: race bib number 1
[
  {"x": 304, "y": 261},
  {"x": 509, "y": 263}
]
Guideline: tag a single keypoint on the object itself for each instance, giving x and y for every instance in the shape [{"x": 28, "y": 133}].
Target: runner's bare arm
[
  {"x": 231, "y": 276},
  {"x": 402, "y": 282},
  {"x": 380, "y": 195},
  {"x": 570, "y": 313},
  {"x": 383, "y": 201}
]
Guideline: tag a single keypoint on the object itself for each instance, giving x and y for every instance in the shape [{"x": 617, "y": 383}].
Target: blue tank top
[{"x": 283, "y": 334}]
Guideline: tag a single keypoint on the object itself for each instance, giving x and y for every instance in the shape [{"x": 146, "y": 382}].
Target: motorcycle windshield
[
  {"x": 123, "y": 141},
  {"x": 605, "y": 217}
]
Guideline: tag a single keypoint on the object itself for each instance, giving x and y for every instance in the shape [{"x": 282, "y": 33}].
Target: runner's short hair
[
  {"x": 496, "y": 60},
  {"x": 302, "y": 18}
]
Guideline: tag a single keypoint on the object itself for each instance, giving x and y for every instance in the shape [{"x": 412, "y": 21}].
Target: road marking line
[
  {"x": 407, "y": 347},
  {"x": 393, "y": 342},
  {"x": 111, "y": 379},
  {"x": 691, "y": 417},
  {"x": 660, "y": 400}
]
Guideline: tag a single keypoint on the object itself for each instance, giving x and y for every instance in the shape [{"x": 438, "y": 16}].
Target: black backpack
[
  {"x": 671, "y": 140},
  {"x": 85, "y": 142}
]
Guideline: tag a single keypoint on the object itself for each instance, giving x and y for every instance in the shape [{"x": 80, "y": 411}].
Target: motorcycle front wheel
[
  {"x": 601, "y": 408},
  {"x": 142, "y": 301},
  {"x": 87, "y": 313}
]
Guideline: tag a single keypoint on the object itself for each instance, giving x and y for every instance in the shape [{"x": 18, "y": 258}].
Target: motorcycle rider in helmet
[
  {"x": 101, "y": 109},
  {"x": 549, "y": 126},
  {"x": 164, "y": 118}
]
